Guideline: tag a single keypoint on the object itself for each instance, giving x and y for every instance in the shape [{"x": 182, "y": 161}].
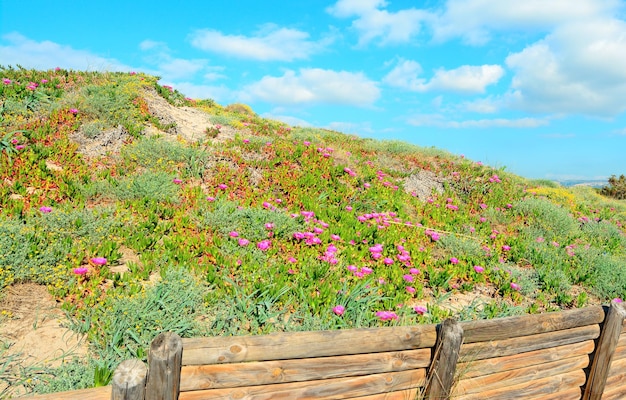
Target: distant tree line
[{"x": 616, "y": 188}]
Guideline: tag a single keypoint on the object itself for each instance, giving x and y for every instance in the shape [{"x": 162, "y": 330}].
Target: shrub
[
  {"x": 616, "y": 187},
  {"x": 240, "y": 108}
]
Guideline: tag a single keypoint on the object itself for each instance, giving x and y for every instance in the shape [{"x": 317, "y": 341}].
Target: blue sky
[{"x": 536, "y": 86}]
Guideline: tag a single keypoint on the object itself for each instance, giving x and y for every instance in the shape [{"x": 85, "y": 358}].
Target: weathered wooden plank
[
  {"x": 325, "y": 389},
  {"x": 568, "y": 394},
  {"x": 604, "y": 351},
  {"x": 199, "y": 377},
  {"x": 500, "y": 348},
  {"x": 129, "y": 380},
  {"x": 441, "y": 373},
  {"x": 409, "y": 394},
  {"x": 617, "y": 367},
  {"x": 488, "y": 366},
  {"x": 618, "y": 393},
  {"x": 288, "y": 345},
  {"x": 524, "y": 325},
  {"x": 536, "y": 388},
  {"x": 521, "y": 375},
  {"x": 618, "y": 379},
  {"x": 164, "y": 361},
  {"x": 99, "y": 393}
]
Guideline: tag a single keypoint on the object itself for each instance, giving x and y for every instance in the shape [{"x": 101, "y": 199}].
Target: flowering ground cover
[{"x": 271, "y": 228}]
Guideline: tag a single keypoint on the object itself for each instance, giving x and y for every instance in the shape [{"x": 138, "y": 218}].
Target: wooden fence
[{"x": 574, "y": 354}]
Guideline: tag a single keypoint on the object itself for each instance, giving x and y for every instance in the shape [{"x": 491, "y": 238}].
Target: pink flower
[
  {"x": 292, "y": 260},
  {"x": 479, "y": 269},
  {"x": 243, "y": 242},
  {"x": 421, "y": 310},
  {"x": 617, "y": 300},
  {"x": 339, "y": 310},
  {"x": 483, "y": 205},
  {"x": 434, "y": 236},
  {"x": 454, "y": 260},
  {"x": 335, "y": 237},
  {"x": 452, "y": 207},
  {"x": 515, "y": 286},
  {"x": 414, "y": 271},
  {"x": 264, "y": 245},
  {"x": 73, "y": 111},
  {"x": 506, "y": 247},
  {"x": 482, "y": 219},
  {"x": 269, "y": 226},
  {"x": 6, "y": 81},
  {"x": 306, "y": 143},
  {"x": 80, "y": 271},
  {"x": 98, "y": 260},
  {"x": 45, "y": 209},
  {"x": 233, "y": 234},
  {"x": 386, "y": 315},
  {"x": 177, "y": 181},
  {"x": 540, "y": 240},
  {"x": 348, "y": 208},
  {"x": 19, "y": 147},
  {"x": 367, "y": 270},
  {"x": 366, "y": 185},
  {"x": 210, "y": 198},
  {"x": 410, "y": 289},
  {"x": 388, "y": 260},
  {"x": 222, "y": 186},
  {"x": 408, "y": 278}
]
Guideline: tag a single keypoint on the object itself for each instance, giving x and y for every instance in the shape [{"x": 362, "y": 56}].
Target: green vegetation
[{"x": 270, "y": 229}]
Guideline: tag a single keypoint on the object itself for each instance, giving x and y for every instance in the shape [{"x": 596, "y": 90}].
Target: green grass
[{"x": 271, "y": 230}]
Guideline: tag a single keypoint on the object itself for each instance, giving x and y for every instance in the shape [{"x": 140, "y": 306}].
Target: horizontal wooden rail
[{"x": 287, "y": 345}]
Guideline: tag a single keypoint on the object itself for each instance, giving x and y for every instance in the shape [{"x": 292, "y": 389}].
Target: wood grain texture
[
  {"x": 441, "y": 373},
  {"x": 605, "y": 347},
  {"x": 568, "y": 394},
  {"x": 507, "y": 347},
  {"x": 100, "y": 393},
  {"x": 129, "y": 380},
  {"x": 537, "y": 388},
  {"x": 288, "y": 345},
  {"x": 618, "y": 393},
  {"x": 617, "y": 367},
  {"x": 524, "y": 325},
  {"x": 409, "y": 394},
  {"x": 199, "y": 377},
  {"x": 488, "y": 366},
  {"x": 326, "y": 389},
  {"x": 164, "y": 361},
  {"x": 518, "y": 376}
]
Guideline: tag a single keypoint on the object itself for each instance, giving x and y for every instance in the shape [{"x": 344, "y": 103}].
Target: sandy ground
[{"x": 34, "y": 329}]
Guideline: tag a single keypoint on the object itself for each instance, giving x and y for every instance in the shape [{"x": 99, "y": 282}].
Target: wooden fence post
[
  {"x": 164, "y": 364},
  {"x": 440, "y": 376},
  {"x": 129, "y": 380},
  {"x": 604, "y": 351}
]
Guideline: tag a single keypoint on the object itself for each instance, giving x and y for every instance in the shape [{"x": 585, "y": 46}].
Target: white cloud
[
  {"x": 579, "y": 68},
  {"x": 465, "y": 79},
  {"x": 178, "y": 68},
  {"x": 18, "y": 49},
  {"x": 482, "y": 106},
  {"x": 351, "y": 127},
  {"x": 373, "y": 22},
  {"x": 269, "y": 44},
  {"x": 220, "y": 94},
  {"x": 474, "y": 20},
  {"x": 439, "y": 121},
  {"x": 314, "y": 85}
]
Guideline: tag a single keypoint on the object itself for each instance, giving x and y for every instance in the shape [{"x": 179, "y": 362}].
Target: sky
[{"x": 537, "y": 87}]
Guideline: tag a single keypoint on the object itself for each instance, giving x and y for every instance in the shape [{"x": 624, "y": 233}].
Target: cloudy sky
[{"x": 536, "y": 86}]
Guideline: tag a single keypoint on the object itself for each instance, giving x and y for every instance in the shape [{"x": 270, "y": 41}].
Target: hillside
[{"x": 142, "y": 211}]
